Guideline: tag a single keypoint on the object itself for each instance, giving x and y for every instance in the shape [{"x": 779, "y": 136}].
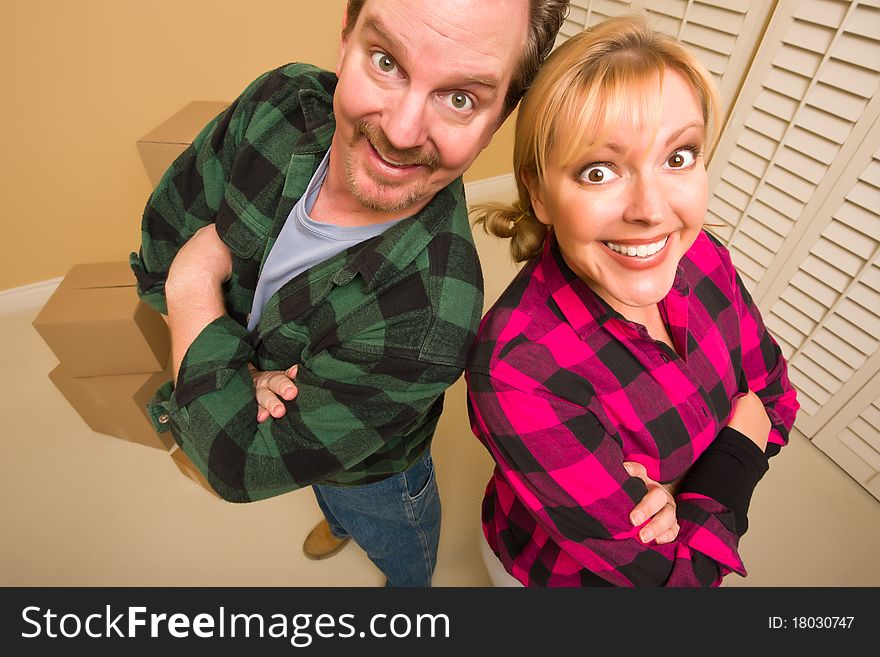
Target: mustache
[{"x": 411, "y": 156}]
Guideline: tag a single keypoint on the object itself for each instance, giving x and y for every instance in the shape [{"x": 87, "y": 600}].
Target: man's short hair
[{"x": 545, "y": 19}]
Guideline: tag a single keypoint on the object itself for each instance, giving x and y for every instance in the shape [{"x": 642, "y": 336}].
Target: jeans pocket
[{"x": 419, "y": 478}]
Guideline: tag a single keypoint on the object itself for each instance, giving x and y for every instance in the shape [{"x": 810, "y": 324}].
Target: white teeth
[
  {"x": 640, "y": 251},
  {"x": 391, "y": 162}
]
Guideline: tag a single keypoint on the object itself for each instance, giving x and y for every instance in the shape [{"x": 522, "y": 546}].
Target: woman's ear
[{"x": 536, "y": 195}]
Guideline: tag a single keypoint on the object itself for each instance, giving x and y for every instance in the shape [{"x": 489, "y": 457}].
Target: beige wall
[{"x": 82, "y": 81}]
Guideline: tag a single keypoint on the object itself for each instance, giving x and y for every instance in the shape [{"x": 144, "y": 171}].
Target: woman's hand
[
  {"x": 269, "y": 386},
  {"x": 749, "y": 417},
  {"x": 658, "y": 504}
]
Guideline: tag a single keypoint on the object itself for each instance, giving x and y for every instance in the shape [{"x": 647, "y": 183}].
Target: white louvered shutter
[
  {"x": 795, "y": 185},
  {"x": 722, "y": 33}
]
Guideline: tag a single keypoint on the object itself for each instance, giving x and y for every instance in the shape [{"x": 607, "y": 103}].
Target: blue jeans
[{"x": 396, "y": 521}]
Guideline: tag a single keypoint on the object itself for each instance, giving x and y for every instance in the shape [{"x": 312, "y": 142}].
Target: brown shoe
[{"x": 321, "y": 543}]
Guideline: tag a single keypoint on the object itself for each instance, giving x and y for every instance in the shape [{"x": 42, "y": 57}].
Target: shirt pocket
[{"x": 243, "y": 233}]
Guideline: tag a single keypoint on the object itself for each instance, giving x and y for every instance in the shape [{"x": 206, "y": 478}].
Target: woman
[{"x": 626, "y": 356}]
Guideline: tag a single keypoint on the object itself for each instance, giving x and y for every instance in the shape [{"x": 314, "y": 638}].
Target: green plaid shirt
[{"x": 379, "y": 331}]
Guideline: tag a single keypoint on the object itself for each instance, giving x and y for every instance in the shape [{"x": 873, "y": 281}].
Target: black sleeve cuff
[{"x": 728, "y": 472}]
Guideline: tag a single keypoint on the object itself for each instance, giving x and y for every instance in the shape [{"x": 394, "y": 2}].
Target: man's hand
[
  {"x": 749, "y": 417},
  {"x": 269, "y": 386},
  {"x": 658, "y": 504}
]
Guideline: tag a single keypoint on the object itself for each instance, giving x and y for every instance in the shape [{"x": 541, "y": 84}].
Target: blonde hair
[{"x": 607, "y": 75}]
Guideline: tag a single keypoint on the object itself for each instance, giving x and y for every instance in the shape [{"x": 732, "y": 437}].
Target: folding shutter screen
[
  {"x": 722, "y": 33},
  {"x": 795, "y": 184}
]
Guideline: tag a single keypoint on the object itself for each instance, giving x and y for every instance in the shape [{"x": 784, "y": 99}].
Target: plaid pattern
[
  {"x": 380, "y": 330},
  {"x": 562, "y": 390}
]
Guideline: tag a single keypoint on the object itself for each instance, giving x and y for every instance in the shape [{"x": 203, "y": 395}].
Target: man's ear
[
  {"x": 343, "y": 44},
  {"x": 536, "y": 195}
]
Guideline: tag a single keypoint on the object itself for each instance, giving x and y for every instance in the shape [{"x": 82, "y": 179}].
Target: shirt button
[
  {"x": 665, "y": 358},
  {"x": 163, "y": 419},
  {"x": 705, "y": 412}
]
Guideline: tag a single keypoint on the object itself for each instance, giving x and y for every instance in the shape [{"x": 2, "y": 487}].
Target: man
[{"x": 317, "y": 231}]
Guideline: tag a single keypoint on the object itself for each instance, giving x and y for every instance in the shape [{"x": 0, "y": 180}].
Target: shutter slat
[
  {"x": 779, "y": 328},
  {"x": 866, "y": 196},
  {"x": 865, "y": 319},
  {"x": 762, "y": 234},
  {"x": 838, "y": 256},
  {"x": 826, "y": 14},
  {"x": 766, "y": 124},
  {"x": 845, "y": 237},
  {"x": 739, "y": 6},
  {"x": 775, "y": 221},
  {"x": 750, "y": 270},
  {"x": 757, "y": 251},
  {"x": 816, "y": 289},
  {"x": 808, "y": 386},
  {"x": 818, "y": 374},
  {"x": 871, "y": 174},
  {"x": 825, "y": 124},
  {"x": 853, "y": 79},
  {"x": 860, "y": 219},
  {"x": 812, "y": 145},
  {"x": 865, "y": 22},
  {"x": 826, "y": 272},
  {"x": 851, "y": 333},
  {"x": 837, "y": 102},
  {"x": 867, "y": 432},
  {"x": 844, "y": 350},
  {"x": 788, "y": 84},
  {"x": 871, "y": 277},
  {"x": 790, "y": 184},
  {"x": 776, "y": 105},
  {"x": 671, "y": 8},
  {"x": 862, "y": 449},
  {"x": 736, "y": 197},
  {"x": 793, "y": 316},
  {"x": 817, "y": 353},
  {"x": 858, "y": 50},
  {"x": 802, "y": 165},
  {"x": 868, "y": 299},
  {"x": 785, "y": 204},
  {"x": 757, "y": 143},
  {"x": 724, "y": 210},
  {"x": 737, "y": 177},
  {"x": 809, "y": 306},
  {"x": 712, "y": 40},
  {"x": 809, "y": 36},
  {"x": 718, "y": 18}
]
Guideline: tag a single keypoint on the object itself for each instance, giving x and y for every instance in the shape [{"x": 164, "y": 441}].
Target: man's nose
[{"x": 404, "y": 120}]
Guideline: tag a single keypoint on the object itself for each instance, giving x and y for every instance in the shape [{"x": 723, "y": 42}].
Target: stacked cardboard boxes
[
  {"x": 114, "y": 352},
  {"x": 161, "y": 146},
  {"x": 112, "y": 347}
]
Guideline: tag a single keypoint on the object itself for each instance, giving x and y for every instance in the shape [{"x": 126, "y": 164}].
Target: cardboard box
[
  {"x": 96, "y": 325},
  {"x": 189, "y": 470},
  {"x": 115, "y": 405},
  {"x": 161, "y": 146}
]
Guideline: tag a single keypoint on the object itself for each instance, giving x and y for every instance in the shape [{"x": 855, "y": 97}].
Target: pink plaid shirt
[{"x": 562, "y": 390}]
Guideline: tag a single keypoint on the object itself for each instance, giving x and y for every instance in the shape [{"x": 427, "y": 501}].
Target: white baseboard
[
  {"x": 499, "y": 188},
  {"x": 27, "y": 297}
]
